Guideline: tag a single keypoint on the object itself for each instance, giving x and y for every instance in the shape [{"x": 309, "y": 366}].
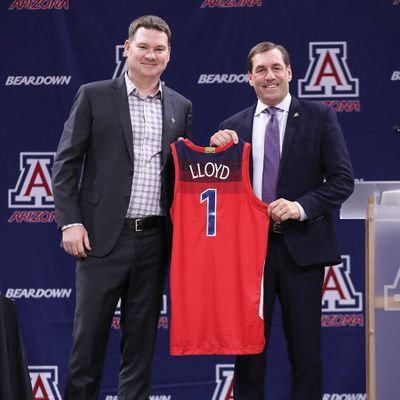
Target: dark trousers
[
  {"x": 299, "y": 290},
  {"x": 134, "y": 271}
]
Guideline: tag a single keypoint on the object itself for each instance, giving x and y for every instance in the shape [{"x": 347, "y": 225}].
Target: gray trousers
[{"x": 134, "y": 271}]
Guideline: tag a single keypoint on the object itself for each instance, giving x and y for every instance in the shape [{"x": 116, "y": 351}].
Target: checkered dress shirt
[{"x": 146, "y": 120}]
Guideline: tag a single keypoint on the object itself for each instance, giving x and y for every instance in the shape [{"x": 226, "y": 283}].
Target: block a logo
[
  {"x": 44, "y": 381},
  {"x": 342, "y": 305},
  {"x": 224, "y": 380},
  {"x": 328, "y": 74},
  {"x": 33, "y": 189},
  {"x": 338, "y": 290},
  {"x": 120, "y": 60},
  {"x": 392, "y": 294}
]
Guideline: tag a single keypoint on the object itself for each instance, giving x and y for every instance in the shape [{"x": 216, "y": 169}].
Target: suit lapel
[
  {"x": 246, "y": 129},
  {"x": 292, "y": 124},
  {"x": 121, "y": 103},
  {"x": 246, "y": 133},
  {"x": 168, "y": 122}
]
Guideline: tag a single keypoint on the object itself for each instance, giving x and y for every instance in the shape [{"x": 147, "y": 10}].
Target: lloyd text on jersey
[{"x": 210, "y": 169}]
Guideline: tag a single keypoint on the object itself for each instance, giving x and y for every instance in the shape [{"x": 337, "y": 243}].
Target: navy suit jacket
[
  {"x": 93, "y": 167},
  {"x": 314, "y": 170}
]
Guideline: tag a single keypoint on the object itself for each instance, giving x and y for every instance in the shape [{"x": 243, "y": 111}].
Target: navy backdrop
[{"x": 344, "y": 53}]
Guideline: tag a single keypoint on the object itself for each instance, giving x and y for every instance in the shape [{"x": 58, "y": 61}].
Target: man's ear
[{"x": 250, "y": 78}]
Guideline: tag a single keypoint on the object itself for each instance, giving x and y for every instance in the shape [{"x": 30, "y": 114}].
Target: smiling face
[
  {"x": 148, "y": 54},
  {"x": 270, "y": 77}
]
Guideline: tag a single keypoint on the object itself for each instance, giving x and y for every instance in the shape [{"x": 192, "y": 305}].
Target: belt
[
  {"x": 275, "y": 227},
  {"x": 142, "y": 224}
]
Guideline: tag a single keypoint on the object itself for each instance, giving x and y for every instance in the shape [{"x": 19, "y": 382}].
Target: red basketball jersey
[{"x": 218, "y": 254}]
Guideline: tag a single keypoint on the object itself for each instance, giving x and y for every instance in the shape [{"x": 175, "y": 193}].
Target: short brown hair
[
  {"x": 262, "y": 48},
  {"x": 149, "y": 22}
]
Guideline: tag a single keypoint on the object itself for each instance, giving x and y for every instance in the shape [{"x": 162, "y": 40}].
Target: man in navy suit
[
  {"x": 112, "y": 183},
  {"x": 314, "y": 177}
]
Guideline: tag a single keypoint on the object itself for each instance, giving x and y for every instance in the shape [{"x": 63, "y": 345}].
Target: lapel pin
[
  {"x": 296, "y": 114},
  {"x": 173, "y": 120}
]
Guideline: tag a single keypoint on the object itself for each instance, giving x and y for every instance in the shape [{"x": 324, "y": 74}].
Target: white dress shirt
[{"x": 260, "y": 122}]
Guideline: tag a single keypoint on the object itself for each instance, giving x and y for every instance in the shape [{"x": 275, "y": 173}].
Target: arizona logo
[
  {"x": 338, "y": 291},
  {"x": 328, "y": 74},
  {"x": 44, "y": 380},
  {"x": 341, "y": 305},
  {"x": 224, "y": 379},
  {"x": 40, "y": 5},
  {"x": 33, "y": 189},
  {"x": 328, "y": 77},
  {"x": 231, "y": 3}
]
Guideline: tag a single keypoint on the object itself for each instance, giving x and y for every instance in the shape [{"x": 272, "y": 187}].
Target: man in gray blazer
[{"x": 112, "y": 183}]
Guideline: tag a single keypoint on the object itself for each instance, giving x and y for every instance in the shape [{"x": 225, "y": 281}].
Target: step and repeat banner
[{"x": 345, "y": 54}]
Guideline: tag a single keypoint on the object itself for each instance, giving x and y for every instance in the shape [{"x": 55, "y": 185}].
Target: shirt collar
[
  {"x": 283, "y": 105},
  {"x": 131, "y": 88}
]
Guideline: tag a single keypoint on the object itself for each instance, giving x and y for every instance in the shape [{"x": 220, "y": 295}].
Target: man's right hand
[
  {"x": 223, "y": 137},
  {"x": 76, "y": 241}
]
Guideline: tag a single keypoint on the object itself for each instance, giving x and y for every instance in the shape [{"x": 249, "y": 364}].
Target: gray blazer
[{"x": 93, "y": 166}]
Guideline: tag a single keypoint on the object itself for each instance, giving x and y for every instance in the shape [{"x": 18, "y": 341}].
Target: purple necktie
[{"x": 271, "y": 157}]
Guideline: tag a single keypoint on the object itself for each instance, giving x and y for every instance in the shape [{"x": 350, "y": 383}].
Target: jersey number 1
[{"x": 210, "y": 195}]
